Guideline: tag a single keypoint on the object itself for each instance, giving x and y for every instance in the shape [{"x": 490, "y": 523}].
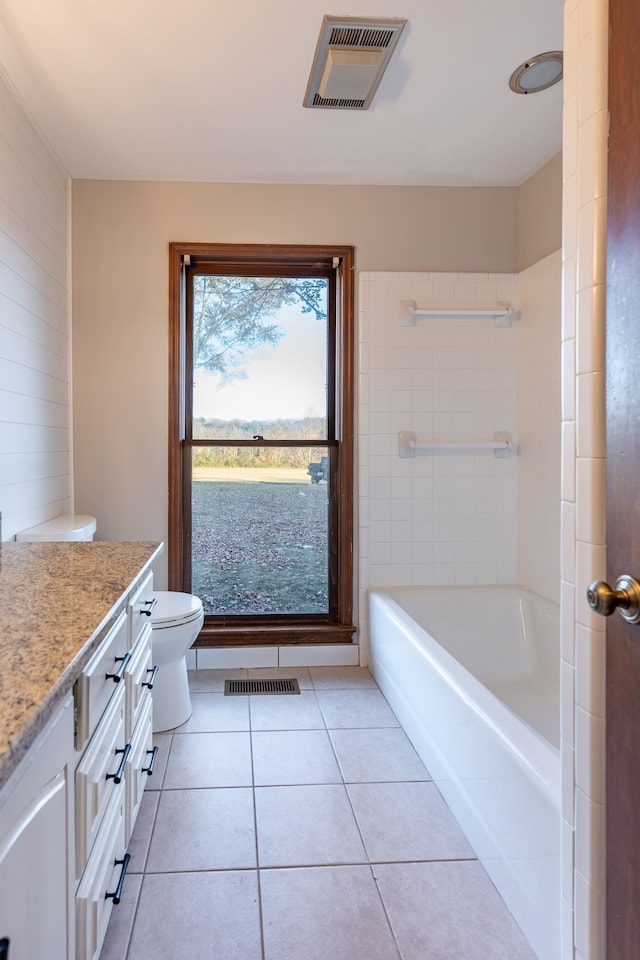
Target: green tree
[{"x": 234, "y": 314}]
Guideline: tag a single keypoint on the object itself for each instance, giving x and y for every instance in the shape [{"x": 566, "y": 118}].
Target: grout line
[
  {"x": 133, "y": 921},
  {"x": 255, "y": 833},
  {"x": 384, "y": 909},
  {"x": 258, "y": 868},
  {"x": 308, "y": 866}
]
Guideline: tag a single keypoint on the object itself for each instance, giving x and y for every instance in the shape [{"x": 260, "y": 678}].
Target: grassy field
[
  {"x": 260, "y": 545},
  {"x": 252, "y": 474}
]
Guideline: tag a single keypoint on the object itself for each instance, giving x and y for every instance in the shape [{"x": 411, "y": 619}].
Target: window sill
[{"x": 280, "y": 635}]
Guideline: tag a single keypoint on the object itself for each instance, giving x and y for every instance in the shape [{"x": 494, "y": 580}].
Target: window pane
[
  {"x": 260, "y": 529},
  {"x": 259, "y": 357}
]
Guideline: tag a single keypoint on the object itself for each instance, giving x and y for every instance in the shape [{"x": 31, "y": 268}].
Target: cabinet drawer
[
  {"x": 138, "y": 765},
  {"x": 97, "y": 683},
  {"x": 95, "y": 782},
  {"x": 100, "y": 878},
  {"x": 139, "y": 610},
  {"x": 137, "y": 676}
]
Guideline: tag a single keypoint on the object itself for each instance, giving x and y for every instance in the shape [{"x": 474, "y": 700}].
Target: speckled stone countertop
[{"x": 57, "y": 601}]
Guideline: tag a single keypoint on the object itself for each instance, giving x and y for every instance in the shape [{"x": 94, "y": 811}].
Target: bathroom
[{"x": 118, "y": 299}]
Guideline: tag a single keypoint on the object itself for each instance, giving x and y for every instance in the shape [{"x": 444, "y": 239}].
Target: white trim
[{"x": 311, "y": 655}]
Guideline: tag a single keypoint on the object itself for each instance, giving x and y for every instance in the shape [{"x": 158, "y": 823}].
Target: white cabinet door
[{"x": 35, "y": 839}]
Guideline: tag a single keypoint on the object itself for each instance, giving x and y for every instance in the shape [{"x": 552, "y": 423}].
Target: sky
[{"x": 285, "y": 380}]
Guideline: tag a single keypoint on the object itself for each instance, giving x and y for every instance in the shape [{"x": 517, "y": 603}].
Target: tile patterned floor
[{"x": 301, "y": 828}]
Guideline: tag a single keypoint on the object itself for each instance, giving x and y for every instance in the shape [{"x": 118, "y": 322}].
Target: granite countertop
[{"x": 57, "y": 601}]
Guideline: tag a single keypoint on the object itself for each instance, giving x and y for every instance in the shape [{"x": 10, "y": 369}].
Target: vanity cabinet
[
  {"x": 114, "y": 733},
  {"x": 75, "y": 738},
  {"x": 36, "y": 847}
]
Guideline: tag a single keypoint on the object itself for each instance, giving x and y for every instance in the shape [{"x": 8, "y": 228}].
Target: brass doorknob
[{"x": 625, "y": 598}]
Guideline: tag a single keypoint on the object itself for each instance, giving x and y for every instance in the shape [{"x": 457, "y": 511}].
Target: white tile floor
[{"x": 301, "y": 828}]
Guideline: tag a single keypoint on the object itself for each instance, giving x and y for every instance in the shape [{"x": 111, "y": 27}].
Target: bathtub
[{"x": 472, "y": 673}]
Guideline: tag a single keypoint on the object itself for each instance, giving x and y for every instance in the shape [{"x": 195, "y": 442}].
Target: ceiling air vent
[{"x": 351, "y": 56}]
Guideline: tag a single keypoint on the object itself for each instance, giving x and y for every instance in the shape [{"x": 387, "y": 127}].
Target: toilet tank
[{"x": 65, "y": 527}]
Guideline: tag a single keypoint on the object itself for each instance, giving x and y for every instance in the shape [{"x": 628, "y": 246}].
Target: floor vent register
[{"x": 237, "y": 688}]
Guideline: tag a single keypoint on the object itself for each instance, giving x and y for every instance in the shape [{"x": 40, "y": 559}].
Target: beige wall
[
  {"x": 121, "y": 232},
  {"x": 540, "y": 214}
]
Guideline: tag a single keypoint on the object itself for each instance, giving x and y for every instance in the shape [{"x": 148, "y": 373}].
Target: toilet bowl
[{"x": 176, "y": 621}]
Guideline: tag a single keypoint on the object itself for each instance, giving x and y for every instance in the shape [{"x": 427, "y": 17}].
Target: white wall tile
[
  {"x": 567, "y": 698},
  {"x": 450, "y": 389},
  {"x": 567, "y": 621},
  {"x": 539, "y": 426},
  {"x": 569, "y": 281},
  {"x": 589, "y": 920},
  {"x": 591, "y": 329},
  {"x": 229, "y": 658},
  {"x": 568, "y": 455},
  {"x": 592, "y": 258},
  {"x": 592, "y": 172},
  {"x": 567, "y": 859},
  {"x": 590, "y": 851},
  {"x": 568, "y": 356},
  {"x": 590, "y": 393},
  {"x": 590, "y": 669},
  {"x": 590, "y": 566},
  {"x": 566, "y": 930},
  {"x": 568, "y": 541},
  {"x": 592, "y": 67},
  {"x": 320, "y": 655},
  {"x": 590, "y": 766},
  {"x": 591, "y": 484},
  {"x": 567, "y": 760}
]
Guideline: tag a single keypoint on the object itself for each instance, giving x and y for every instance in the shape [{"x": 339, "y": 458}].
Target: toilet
[
  {"x": 176, "y": 621},
  {"x": 68, "y": 526}
]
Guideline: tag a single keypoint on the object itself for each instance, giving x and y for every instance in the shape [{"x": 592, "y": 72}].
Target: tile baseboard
[{"x": 315, "y": 655}]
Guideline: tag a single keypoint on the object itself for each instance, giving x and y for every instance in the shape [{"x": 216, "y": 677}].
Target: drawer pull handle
[
  {"x": 154, "y": 753},
  {"x": 152, "y": 679},
  {"x": 118, "y": 775},
  {"x": 150, "y": 604},
  {"x": 117, "y": 893},
  {"x": 119, "y": 674}
]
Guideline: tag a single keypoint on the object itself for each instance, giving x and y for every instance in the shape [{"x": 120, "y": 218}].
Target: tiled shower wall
[
  {"x": 539, "y": 427},
  {"x": 440, "y": 518}
]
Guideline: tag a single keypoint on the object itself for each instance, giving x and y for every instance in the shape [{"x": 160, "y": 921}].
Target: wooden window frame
[{"x": 281, "y": 629}]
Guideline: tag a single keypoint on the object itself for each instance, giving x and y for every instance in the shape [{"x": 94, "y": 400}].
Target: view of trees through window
[{"x": 261, "y": 423}]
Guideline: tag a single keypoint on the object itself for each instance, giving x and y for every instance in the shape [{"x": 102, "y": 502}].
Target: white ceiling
[{"x": 212, "y": 90}]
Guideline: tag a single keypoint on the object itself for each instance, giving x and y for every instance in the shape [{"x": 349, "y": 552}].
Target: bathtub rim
[{"x": 536, "y": 755}]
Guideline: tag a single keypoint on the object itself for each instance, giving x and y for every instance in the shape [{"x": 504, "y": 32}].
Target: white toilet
[
  {"x": 68, "y": 526},
  {"x": 176, "y": 621}
]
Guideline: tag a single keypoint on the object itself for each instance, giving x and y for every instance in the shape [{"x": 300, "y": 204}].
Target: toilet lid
[{"x": 173, "y": 607}]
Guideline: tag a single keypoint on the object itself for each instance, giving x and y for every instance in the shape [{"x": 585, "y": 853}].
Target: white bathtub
[{"x": 472, "y": 674}]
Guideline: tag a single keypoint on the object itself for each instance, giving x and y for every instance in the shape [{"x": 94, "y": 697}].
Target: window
[{"x": 261, "y": 440}]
